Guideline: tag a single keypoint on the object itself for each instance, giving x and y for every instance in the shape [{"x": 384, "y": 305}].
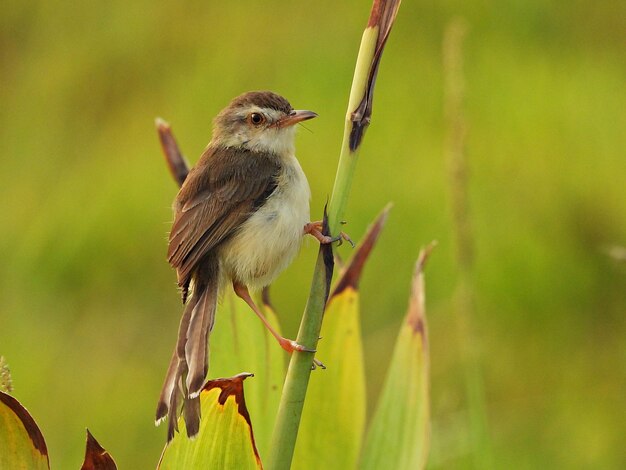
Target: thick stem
[
  {"x": 298, "y": 374},
  {"x": 357, "y": 119},
  {"x": 348, "y": 158}
]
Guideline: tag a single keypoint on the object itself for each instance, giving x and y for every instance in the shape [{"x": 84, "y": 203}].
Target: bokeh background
[{"x": 89, "y": 308}]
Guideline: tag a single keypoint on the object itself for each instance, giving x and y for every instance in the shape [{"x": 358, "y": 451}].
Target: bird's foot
[
  {"x": 346, "y": 237},
  {"x": 290, "y": 346},
  {"x": 317, "y": 363},
  {"x": 315, "y": 229}
]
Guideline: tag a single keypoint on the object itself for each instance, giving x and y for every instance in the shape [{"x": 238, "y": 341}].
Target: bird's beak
[{"x": 294, "y": 117}]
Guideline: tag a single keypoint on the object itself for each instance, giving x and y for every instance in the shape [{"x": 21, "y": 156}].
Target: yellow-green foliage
[
  {"x": 21, "y": 442},
  {"x": 89, "y": 306},
  {"x": 225, "y": 437},
  {"x": 333, "y": 418},
  {"x": 399, "y": 433}
]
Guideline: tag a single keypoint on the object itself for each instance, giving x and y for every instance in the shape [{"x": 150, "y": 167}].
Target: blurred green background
[{"x": 89, "y": 306}]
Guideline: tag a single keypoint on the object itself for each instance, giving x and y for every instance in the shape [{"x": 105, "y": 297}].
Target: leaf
[
  {"x": 96, "y": 458},
  {"x": 21, "y": 443},
  {"x": 239, "y": 342},
  {"x": 225, "y": 439},
  {"x": 333, "y": 420},
  {"x": 399, "y": 433}
]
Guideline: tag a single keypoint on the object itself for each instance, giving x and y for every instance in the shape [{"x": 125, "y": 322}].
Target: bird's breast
[{"x": 269, "y": 240}]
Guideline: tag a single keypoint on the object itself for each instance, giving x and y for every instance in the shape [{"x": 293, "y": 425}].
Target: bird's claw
[
  {"x": 317, "y": 363},
  {"x": 347, "y": 238},
  {"x": 315, "y": 229},
  {"x": 341, "y": 237}
]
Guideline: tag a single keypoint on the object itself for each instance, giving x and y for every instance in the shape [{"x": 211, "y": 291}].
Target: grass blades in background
[{"x": 456, "y": 156}]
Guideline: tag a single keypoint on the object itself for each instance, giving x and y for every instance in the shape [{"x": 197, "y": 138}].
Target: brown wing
[{"x": 219, "y": 194}]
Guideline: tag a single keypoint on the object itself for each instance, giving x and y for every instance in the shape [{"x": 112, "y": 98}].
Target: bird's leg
[
  {"x": 315, "y": 229},
  {"x": 287, "y": 344}
]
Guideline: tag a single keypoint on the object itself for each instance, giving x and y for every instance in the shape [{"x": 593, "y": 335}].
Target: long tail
[{"x": 190, "y": 363}]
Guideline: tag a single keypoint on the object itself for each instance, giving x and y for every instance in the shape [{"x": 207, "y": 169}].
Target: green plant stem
[
  {"x": 298, "y": 373},
  {"x": 348, "y": 159}
]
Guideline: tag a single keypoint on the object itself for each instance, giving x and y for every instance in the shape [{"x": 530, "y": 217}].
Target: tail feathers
[
  {"x": 172, "y": 425},
  {"x": 168, "y": 391},
  {"x": 190, "y": 407},
  {"x": 196, "y": 348},
  {"x": 191, "y": 412},
  {"x": 189, "y": 364}
]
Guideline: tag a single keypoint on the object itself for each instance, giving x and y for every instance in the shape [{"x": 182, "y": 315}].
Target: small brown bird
[{"x": 239, "y": 218}]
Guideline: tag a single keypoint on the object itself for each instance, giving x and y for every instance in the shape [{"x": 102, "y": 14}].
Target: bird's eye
[{"x": 257, "y": 119}]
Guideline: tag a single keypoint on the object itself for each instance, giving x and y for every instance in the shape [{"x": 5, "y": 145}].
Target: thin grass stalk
[
  {"x": 464, "y": 297},
  {"x": 358, "y": 116}
]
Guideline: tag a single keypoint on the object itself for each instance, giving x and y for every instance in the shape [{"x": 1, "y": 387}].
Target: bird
[{"x": 239, "y": 219}]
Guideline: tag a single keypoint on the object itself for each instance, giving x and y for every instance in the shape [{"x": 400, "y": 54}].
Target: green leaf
[
  {"x": 96, "y": 458},
  {"x": 399, "y": 433},
  {"x": 225, "y": 439},
  {"x": 333, "y": 419},
  {"x": 240, "y": 342},
  {"x": 21, "y": 443}
]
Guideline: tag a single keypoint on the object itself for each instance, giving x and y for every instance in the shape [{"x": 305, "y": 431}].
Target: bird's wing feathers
[{"x": 217, "y": 197}]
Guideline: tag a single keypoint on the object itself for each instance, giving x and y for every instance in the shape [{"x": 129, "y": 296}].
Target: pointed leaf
[
  {"x": 398, "y": 436},
  {"x": 96, "y": 458},
  {"x": 225, "y": 439},
  {"x": 333, "y": 420},
  {"x": 240, "y": 341},
  {"x": 21, "y": 443}
]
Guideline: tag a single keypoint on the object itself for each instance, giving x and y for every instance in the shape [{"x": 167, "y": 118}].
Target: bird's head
[{"x": 261, "y": 121}]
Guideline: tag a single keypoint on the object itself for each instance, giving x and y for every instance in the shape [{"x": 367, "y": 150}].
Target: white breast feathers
[{"x": 269, "y": 240}]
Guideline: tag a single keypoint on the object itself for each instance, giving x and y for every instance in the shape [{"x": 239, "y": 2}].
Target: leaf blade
[
  {"x": 225, "y": 439},
  {"x": 399, "y": 434},
  {"x": 22, "y": 444}
]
